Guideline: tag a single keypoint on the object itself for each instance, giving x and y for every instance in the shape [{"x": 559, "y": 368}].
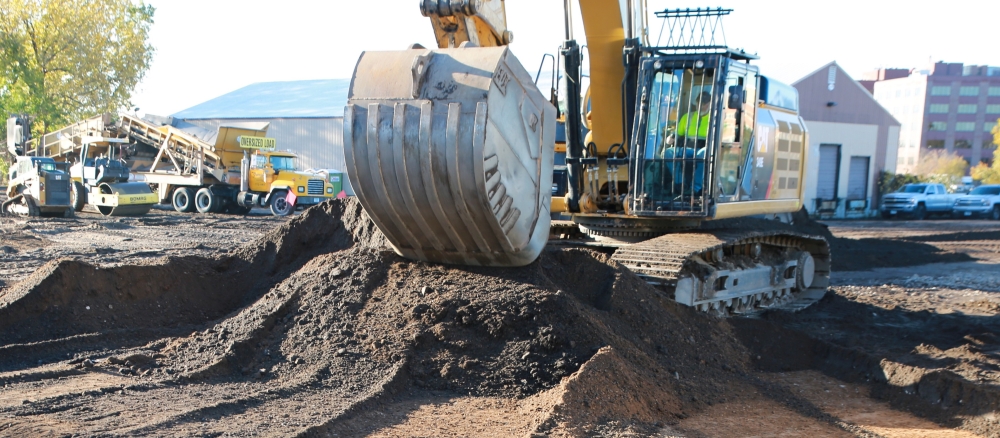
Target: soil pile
[
  {"x": 318, "y": 329},
  {"x": 69, "y": 302},
  {"x": 940, "y": 365},
  {"x": 330, "y": 324}
]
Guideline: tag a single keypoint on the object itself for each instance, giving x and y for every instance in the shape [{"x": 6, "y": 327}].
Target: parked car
[
  {"x": 918, "y": 201},
  {"x": 981, "y": 201}
]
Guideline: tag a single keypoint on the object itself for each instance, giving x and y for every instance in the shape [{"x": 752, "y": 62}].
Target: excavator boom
[{"x": 480, "y": 22}]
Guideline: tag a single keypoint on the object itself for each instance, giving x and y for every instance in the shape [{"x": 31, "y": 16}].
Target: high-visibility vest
[{"x": 698, "y": 126}]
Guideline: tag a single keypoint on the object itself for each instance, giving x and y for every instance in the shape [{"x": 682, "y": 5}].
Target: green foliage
[
  {"x": 63, "y": 60},
  {"x": 889, "y": 182},
  {"x": 942, "y": 167},
  {"x": 4, "y": 167},
  {"x": 990, "y": 174}
]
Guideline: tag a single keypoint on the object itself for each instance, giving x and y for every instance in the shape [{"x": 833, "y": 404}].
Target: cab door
[
  {"x": 738, "y": 114},
  {"x": 938, "y": 197},
  {"x": 258, "y": 174}
]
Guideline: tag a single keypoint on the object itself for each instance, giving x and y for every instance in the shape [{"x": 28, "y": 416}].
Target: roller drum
[
  {"x": 124, "y": 189},
  {"x": 450, "y": 152}
]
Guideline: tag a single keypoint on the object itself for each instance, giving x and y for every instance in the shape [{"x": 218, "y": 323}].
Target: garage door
[
  {"x": 829, "y": 168},
  {"x": 857, "y": 178}
]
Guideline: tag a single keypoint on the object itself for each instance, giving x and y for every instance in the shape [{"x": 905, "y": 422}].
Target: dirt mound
[
  {"x": 330, "y": 324},
  {"x": 67, "y": 298},
  {"x": 360, "y": 318}
]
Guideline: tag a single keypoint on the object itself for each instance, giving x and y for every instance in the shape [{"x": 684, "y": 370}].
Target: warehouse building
[
  {"x": 851, "y": 140},
  {"x": 305, "y": 117}
]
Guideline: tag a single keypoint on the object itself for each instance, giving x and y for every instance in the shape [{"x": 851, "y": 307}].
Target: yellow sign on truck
[{"x": 260, "y": 143}]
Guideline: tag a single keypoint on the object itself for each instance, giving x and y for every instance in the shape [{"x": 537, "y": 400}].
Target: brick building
[{"x": 950, "y": 106}]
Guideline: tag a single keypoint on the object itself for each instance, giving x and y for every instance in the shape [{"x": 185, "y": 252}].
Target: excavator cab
[{"x": 693, "y": 126}]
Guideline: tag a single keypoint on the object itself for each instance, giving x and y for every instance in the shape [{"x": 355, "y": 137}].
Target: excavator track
[{"x": 740, "y": 269}]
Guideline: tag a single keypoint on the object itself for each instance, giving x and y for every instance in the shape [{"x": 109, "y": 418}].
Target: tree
[
  {"x": 889, "y": 182},
  {"x": 942, "y": 167},
  {"x": 63, "y": 60},
  {"x": 990, "y": 174}
]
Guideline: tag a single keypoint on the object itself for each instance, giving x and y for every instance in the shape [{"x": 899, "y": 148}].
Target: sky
[{"x": 207, "y": 48}]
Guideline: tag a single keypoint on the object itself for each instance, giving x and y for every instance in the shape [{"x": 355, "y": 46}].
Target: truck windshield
[
  {"x": 282, "y": 163},
  {"x": 913, "y": 188},
  {"x": 986, "y": 190},
  {"x": 46, "y": 166}
]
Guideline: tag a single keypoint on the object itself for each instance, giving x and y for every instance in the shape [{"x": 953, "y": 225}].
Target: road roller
[{"x": 101, "y": 179}]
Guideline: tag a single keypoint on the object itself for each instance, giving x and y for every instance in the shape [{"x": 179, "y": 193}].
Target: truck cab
[
  {"x": 982, "y": 201},
  {"x": 918, "y": 201},
  {"x": 276, "y": 176}
]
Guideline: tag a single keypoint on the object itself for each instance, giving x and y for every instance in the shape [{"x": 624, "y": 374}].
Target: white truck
[
  {"x": 982, "y": 201},
  {"x": 918, "y": 201}
]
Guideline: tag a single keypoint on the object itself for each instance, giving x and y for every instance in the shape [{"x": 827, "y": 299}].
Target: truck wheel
[
  {"x": 206, "y": 201},
  {"x": 69, "y": 213},
  {"x": 280, "y": 205},
  {"x": 184, "y": 199},
  {"x": 886, "y": 215},
  {"x": 77, "y": 196},
  {"x": 920, "y": 213},
  {"x": 995, "y": 214}
]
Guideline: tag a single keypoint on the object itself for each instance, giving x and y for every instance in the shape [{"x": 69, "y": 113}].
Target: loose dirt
[{"x": 317, "y": 329}]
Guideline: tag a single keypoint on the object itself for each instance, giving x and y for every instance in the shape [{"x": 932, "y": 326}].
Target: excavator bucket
[{"x": 450, "y": 153}]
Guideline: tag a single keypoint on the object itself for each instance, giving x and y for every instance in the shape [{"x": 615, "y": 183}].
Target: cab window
[
  {"x": 258, "y": 162},
  {"x": 678, "y": 110},
  {"x": 282, "y": 163}
]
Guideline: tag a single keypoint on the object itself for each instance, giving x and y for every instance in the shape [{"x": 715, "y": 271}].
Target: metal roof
[{"x": 287, "y": 99}]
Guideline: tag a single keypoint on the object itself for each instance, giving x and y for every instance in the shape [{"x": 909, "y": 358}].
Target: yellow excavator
[{"x": 677, "y": 140}]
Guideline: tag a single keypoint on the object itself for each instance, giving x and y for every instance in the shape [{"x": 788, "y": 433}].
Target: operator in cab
[
  {"x": 692, "y": 129},
  {"x": 687, "y": 150}
]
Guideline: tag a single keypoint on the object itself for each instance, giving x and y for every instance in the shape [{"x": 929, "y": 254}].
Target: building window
[
  {"x": 968, "y": 109},
  {"x": 939, "y": 108},
  {"x": 965, "y": 126},
  {"x": 941, "y": 91},
  {"x": 992, "y": 109},
  {"x": 939, "y": 126},
  {"x": 935, "y": 144},
  {"x": 909, "y": 161},
  {"x": 988, "y": 126},
  {"x": 968, "y": 91},
  {"x": 963, "y": 144},
  {"x": 994, "y": 91}
]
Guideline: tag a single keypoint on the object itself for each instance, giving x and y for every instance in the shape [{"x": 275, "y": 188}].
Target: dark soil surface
[
  {"x": 317, "y": 329},
  {"x": 926, "y": 339}
]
